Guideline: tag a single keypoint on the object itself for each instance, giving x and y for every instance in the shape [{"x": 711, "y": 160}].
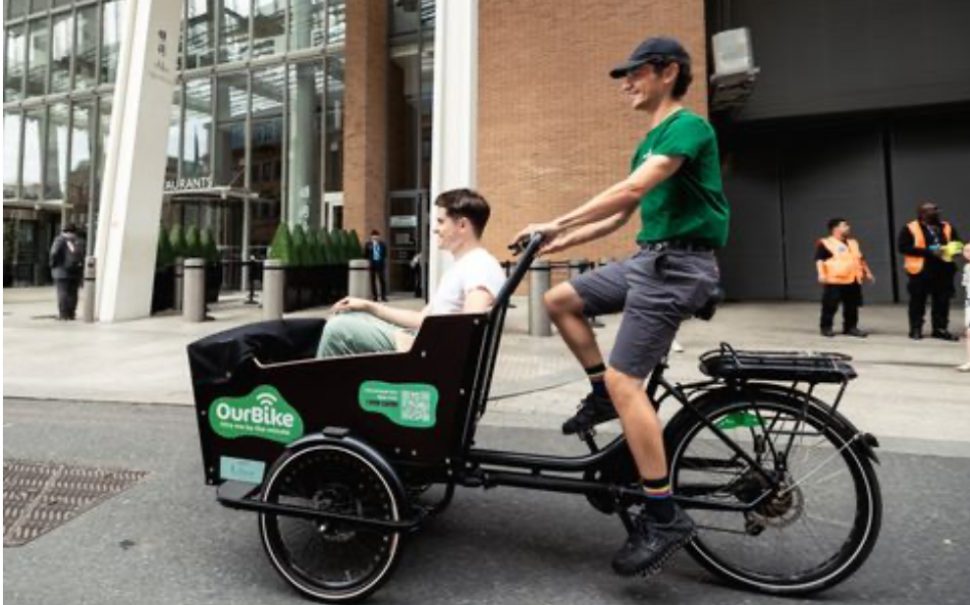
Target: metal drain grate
[{"x": 39, "y": 496}]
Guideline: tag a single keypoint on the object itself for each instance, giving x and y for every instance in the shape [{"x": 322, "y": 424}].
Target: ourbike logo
[{"x": 263, "y": 414}]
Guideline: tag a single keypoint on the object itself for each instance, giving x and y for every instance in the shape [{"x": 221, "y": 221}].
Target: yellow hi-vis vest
[
  {"x": 914, "y": 264},
  {"x": 845, "y": 264}
]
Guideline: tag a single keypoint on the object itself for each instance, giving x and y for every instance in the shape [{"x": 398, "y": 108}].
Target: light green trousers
[{"x": 356, "y": 333}]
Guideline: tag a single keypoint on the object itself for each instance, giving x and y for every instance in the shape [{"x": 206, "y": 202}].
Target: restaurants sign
[{"x": 183, "y": 184}]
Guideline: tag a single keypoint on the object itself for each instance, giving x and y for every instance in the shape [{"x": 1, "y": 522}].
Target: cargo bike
[{"x": 337, "y": 456}]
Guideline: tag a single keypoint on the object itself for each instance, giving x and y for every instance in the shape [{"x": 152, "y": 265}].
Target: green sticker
[
  {"x": 263, "y": 413},
  {"x": 413, "y": 405},
  {"x": 738, "y": 419},
  {"x": 240, "y": 469}
]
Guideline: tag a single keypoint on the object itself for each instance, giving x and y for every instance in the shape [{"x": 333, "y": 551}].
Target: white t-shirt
[{"x": 475, "y": 269}]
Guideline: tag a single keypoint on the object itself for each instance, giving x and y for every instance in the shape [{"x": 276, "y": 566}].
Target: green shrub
[
  {"x": 282, "y": 247},
  {"x": 354, "y": 248},
  {"x": 298, "y": 237},
  {"x": 164, "y": 257},
  {"x": 207, "y": 241},
  {"x": 193, "y": 245},
  {"x": 176, "y": 238}
]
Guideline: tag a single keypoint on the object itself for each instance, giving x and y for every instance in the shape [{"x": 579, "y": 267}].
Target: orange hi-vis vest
[
  {"x": 914, "y": 264},
  {"x": 845, "y": 265}
]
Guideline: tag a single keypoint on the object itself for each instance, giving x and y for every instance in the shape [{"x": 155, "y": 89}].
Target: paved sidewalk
[{"x": 906, "y": 390}]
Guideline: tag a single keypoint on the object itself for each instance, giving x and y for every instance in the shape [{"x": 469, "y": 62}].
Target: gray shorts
[{"x": 656, "y": 291}]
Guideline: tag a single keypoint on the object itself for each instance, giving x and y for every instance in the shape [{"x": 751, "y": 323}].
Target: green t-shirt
[{"x": 690, "y": 205}]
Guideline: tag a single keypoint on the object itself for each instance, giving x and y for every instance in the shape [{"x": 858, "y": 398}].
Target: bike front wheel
[{"x": 811, "y": 532}]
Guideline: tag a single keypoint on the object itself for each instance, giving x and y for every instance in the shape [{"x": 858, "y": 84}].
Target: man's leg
[
  {"x": 917, "y": 305},
  {"x": 383, "y": 281},
  {"x": 665, "y": 289},
  {"x": 851, "y": 300},
  {"x": 61, "y": 289},
  {"x": 600, "y": 291},
  {"x": 72, "y": 286},
  {"x": 830, "y": 304},
  {"x": 373, "y": 281},
  {"x": 355, "y": 333},
  {"x": 940, "y": 310}
]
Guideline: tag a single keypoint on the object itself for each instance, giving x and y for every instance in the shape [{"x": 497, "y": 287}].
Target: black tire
[
  {"x": 331, "y": 562},
  {"x": 745, "y": 563}
]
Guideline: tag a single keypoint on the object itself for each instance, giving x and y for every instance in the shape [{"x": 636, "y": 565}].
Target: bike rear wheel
[{"x": 810, "y": 534}]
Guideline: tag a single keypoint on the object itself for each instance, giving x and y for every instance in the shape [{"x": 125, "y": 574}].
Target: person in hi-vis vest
[
  {"x": 841, "y": 269},
  {"x": 922, "y": 242}
]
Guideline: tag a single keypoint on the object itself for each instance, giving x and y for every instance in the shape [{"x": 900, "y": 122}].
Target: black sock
[
  {"x": 595, "y": 375},
  {"x": 659, "y": 504}
]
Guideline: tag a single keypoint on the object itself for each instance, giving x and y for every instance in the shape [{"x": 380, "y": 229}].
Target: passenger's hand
[
  {"x": 821, "y": 279},
  {"x": 871, "y": 278},
  {"x": 350, "y": 303},
  {"x": 549, "y": 230}
]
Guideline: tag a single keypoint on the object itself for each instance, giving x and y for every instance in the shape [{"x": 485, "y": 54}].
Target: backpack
[{"x": 73, "y": 254}]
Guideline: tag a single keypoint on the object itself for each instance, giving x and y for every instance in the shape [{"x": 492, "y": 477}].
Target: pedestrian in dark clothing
[
  {"x": 67, "y": 269},
  {"x": 841, "y": 269},
  {"x": 376, "y": 252},
  {"x": 922, "y": 242}
]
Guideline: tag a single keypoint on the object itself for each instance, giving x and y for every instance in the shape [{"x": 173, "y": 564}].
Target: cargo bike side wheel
[{"x": 332, "y": 560}]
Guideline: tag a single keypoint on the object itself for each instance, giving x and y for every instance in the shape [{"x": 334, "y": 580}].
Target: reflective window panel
[
  {"x": 15, "y": 62},
  {"x": 111, "y": 31},
  {"x": 86, "y": 48},
  {"x": 307, "y": 24},
  {"x": 196, "y": 142},
  {"x": 62, "y": 37},
  {"x": 55, "y": 180},
  {"x": 38, "y": 53},
  {"x": 269, "y": 27},
  {"x": 11, "y": 153}
]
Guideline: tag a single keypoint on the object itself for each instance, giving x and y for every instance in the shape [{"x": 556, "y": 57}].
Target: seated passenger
[{"x": 469, "y": 286}]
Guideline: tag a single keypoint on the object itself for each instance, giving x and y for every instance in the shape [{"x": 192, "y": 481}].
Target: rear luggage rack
[{"x": 812, "y": 367}]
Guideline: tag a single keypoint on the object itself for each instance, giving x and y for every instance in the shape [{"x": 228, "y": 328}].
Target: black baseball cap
[{"x": 651, "y": 48}]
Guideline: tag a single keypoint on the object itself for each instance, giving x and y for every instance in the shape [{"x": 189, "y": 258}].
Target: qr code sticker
[{"x": 416, "y": 406}]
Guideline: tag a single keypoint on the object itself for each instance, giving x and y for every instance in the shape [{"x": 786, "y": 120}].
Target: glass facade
[{"x": 257, "y": 111}]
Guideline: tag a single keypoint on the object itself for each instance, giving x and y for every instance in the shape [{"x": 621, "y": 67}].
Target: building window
[
  {"x": 11, "y": 153},
  {"x": 62, "y": 35},
  {"x": 82, "y": 151},
  {"x": 234, "y": 30},
  {"x": 232, "y": 101},
  {"x": 307, "y": 24},
  {"x": 303, "y": 141},
  {"x": 111, "y": 32},
  {"x": 174, "y": 135},
  {"x": 334, "y": 139},
  {"x": 336, "y": 21},
  {"x": 38, "y": 51},
  {"x": 198, "y": 128},
  {"x": 200, "y": 29},
  {"x": 86, "y": 47},
  {"x": 55, "y": 170},
  {"x": 16, "y": 62},
  {"x": 269, "y": 27},
  {"x": 16, "y": 9},
  {"x": 33, "y": 150}
]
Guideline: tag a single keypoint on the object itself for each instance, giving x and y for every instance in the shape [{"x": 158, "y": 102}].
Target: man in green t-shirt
[{"x": 675, "y": 182}]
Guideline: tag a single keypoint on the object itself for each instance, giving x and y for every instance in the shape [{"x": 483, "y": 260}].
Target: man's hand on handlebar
[{"x": 550, "y": 233}]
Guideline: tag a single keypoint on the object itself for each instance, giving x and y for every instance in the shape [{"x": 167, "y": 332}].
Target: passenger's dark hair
[
  {"x": 375, "y": 232},
  {"x": 70, "y": 228},
  {"x": 834, "y": 222},
  {"x": 684, "y": 77},
  {"x": 465, "y": 203}
]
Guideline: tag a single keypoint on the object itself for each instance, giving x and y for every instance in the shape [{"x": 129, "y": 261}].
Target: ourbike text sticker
[
  {"x": 263, "y": 414},
  {"x": 412, "y": 405}
]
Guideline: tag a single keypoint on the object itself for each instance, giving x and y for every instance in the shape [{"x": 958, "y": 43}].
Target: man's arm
[
  {"x": 589, "y": 232},
  {"x": 406, "y": 318},
  {"x": 906, "y": 245},
  {"x": 621, "y": 197},
  {"x": 478, "y": 300}
]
